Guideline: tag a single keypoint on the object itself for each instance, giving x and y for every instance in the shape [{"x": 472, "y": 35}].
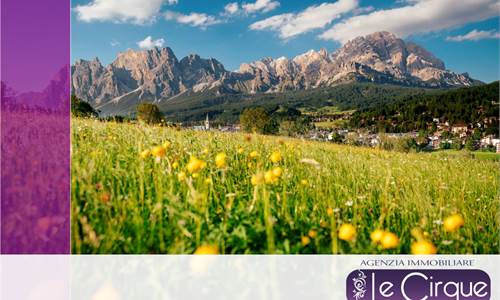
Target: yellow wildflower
[
  {"x": 312, "y": 233},
  {"x": 158, "y": 151},
  {"x": 329, "y": 211},
  {"x": 258, "y": 179},
  {"x": 181, "y": 176},
  {"x": 240, "y": 150},
  {"x": 275, "y": 157},
  {"x": 347, "y": 232},
  {"x": 376, "y": 235},
  {"x": 453, "y": 222},
  {"x": 144, "y": 154},
  {"x": 389, "y": 240},
  {"x": 273, "y": 175},
  {"x": 205, "y": 151},
  {"x": 417, "y": 233},
  {"x": 175, "y": 165},
  {"x": 277, "y": 172},
  {"x": 207, "y": 250},
  {"x": 269, "y": 177},
  {"x": 220, "y": 160},
  {"x": 304, "y": 182},
  {"x": 305, "y": 240},
  {"x": 423, "y": 247},
  {"x": 254, "y": 154},
  {"x": 208, "y": 181},
  {"x": 195, "y": 165}
]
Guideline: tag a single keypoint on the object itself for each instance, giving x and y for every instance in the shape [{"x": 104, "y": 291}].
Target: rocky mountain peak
[
  {"x": 323, "y": 52},
  {"x": 191, "y": 57},
  {"x": 381, "y": 35},
  {"x": 196, "y": 70},
  {"x": 386, "y": 53},
  {"x": 133, "y": 59},
  {"x": 157, "y": 75},
  {"x": 425, "y": 55}
]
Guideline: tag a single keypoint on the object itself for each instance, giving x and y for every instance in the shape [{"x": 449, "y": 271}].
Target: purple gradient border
[{"x": 35, "y": 127}]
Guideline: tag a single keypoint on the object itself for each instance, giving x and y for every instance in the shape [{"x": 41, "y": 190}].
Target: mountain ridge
[{"x": 157, "y": 75}]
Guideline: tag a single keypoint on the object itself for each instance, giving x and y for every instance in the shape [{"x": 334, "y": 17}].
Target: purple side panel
[{"x": 35, "y": 127}]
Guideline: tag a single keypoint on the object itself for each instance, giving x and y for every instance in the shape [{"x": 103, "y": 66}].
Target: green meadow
[{"x": 148, "y": 189}]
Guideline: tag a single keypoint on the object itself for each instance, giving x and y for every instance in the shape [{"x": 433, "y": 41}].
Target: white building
[
  {"x": 489, "y": 141},
  {"x": 204, "y": 127},
  {"x": 207, "y": 123}
]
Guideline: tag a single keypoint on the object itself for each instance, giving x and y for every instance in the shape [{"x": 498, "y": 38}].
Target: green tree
[
  {"x": 256, "y": 119},
  {"x": 149, "y": 113},
  {"x": 469, "y": 105},
  {"x": 295, "y": 127},
  {"x": 445, "y": 145},
  {"x": 337, "y": 138},
  {"x": 470, "y": 144},
  {"x": 457, "y": 144},
  {"x": 80, "y": 108},
  {"x": 289, "y": 121},
  {"x": 286, "y": 128}
]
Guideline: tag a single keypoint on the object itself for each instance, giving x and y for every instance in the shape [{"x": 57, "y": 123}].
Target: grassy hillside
[
  {"x": 227, "y": 107},
  {"x": 270, "y": 195}
]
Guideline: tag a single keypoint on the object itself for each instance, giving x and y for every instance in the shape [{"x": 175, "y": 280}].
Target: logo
[{"x": 418, "y": 285}]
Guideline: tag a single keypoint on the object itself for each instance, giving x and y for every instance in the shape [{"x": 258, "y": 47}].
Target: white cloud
[
  {"x": 134, "y": 11},
  {"x": 231, "y": 8},
  {"x": 363, "y": 10},
  {"x": 114, "y": 43},
  {"x": 192, "y": 19},
  {"x": 260, "y": 6},
  {"x": 475, "y": 35},
  {"x": 273, "y": 23},
  {"x": 172, "y": 2},
  {"x": 149, "y": 43},
  {"x": 422, "y": 16},
  {"x": 313, "y": 17}
]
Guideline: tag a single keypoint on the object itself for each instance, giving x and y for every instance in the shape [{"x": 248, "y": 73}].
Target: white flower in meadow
[
  {"x": 310, "y": 161},
  {"x": 438, "y": 222}
]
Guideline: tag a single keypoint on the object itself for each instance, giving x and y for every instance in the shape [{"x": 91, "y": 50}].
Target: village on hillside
[{"x": 441, "y": 135}]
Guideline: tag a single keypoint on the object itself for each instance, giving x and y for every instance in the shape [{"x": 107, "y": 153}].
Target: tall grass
[{"x": 124, "y": 203}]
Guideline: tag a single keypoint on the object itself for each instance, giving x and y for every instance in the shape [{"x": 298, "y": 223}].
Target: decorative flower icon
[{"x": 359, "y": 285}]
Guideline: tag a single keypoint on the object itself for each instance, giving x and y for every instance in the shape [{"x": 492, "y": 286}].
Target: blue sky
[{"x": 464, "y": 34}]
